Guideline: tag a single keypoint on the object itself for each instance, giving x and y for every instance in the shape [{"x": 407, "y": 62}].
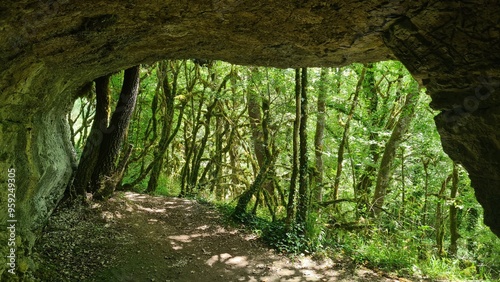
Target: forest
[{"x": 339, "y": 162}]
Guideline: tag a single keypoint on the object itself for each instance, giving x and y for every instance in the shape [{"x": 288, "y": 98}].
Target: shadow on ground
[{"x": 146, "y": 238}]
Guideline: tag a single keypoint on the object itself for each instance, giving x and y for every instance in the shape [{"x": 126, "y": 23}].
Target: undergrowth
[{"x": 398, "y": 252}]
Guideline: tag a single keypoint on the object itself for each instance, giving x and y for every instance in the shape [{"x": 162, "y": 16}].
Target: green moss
[{"x": 23, "y": 265}]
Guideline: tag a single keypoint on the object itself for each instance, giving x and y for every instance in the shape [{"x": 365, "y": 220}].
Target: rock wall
[
  {"x": 34, "y": 142},
  {"x": 51, "y": 48}
]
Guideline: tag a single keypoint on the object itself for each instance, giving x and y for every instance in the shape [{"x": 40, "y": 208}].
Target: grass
[
  {"x": 167, "y": 186},
  {"x": 396, "y": 252}
]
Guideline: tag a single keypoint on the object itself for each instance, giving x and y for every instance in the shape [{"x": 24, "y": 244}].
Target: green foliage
[
  {"x": 291, "y": 239},
  {"x": 286, "y": 239},
  {"x": 382, "y": 250},
  {"x": 401, "y": 252},
  {"x": 401, "y": 239},
  {"x": 167, "y": 186}
]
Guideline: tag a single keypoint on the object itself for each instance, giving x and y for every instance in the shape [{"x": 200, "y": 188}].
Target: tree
[
  {"x": 103, "y": 180},
  {"x": 345, "y": 135},
  {"x": 375, "y": 118},
  {"x": 303, "y": 196},
  {"x": 439, "y": 223},
  {"x": 90, "y": 154},
  {"x": 169, "y": 92},
  {"x": 258, "y": 107},
  {"x": 196, "y": 150},
  {"x": 452, "y": 251},
  {"x": 295, "y": 149},
  {"x": 319, "y": 134},
  {"x": 400, "y": 129}
]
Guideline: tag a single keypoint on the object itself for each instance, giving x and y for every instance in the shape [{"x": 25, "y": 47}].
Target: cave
[{"x": 51, "y": 49}]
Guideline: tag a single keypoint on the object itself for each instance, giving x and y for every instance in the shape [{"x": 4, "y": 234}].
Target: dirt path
[{"x": 145, "y": 238}]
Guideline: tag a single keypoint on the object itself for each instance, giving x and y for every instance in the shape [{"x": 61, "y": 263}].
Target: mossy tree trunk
[
  {"x": 319, "y": 134},
  {"x": 386, "y": 167},
  {"x": 102, "y": 181},
  {"x": 90, "y": 154},
  {"x": 169, "y": 93},
  {"x": 303, "y": 195},
  {"x": 290, "y": 211}
]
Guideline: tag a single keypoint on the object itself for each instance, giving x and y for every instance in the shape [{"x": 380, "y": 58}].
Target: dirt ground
[{"x": 135, "y": 237}]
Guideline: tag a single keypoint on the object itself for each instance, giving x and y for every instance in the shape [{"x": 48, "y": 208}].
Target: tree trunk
[
  {"x": 362, "y": 190},
  {"x": 345, "y": 135},
  {"x": 472, "y": 220},
  {"x": 200, "y": 150},
  {"x": 90, "y": 154},
  {"x": 452, "y": 251},
  {"x": 157, "y": 165},
  {"x": 320, "y": 134},
  {"x": 122, "y": 165},
  {"x": 245, "y": 198},
  {"x": 303, "y": 196},
  {"x": 84, "y": 114},
  {"x": 425, "y": 163},
  {"x": 290, "y": 211},
  {"x": 169, "y": 93},
  {"x": 385, "y": 170},
  {"x": 102, "y": 183},
  {"x": 193, "y": 178},
  {"x": 190, "y": 141},
  {"x": 439, "y": 225},
  {"x": 270, "y": 153},
  {"x": 254, "y": 114},
  {"x": 150, "y": 133},
  {"x": 403, "y": 186}
]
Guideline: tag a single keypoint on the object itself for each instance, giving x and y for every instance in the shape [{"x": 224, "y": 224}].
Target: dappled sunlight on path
[{"x": 173, "y": 239}]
